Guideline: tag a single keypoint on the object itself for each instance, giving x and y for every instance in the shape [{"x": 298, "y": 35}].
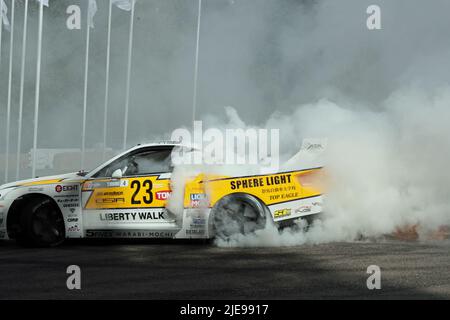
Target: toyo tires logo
[{"x": 163, "y": 195}]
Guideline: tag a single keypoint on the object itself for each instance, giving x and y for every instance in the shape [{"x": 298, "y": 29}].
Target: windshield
[{"x": 140, "y": 162}]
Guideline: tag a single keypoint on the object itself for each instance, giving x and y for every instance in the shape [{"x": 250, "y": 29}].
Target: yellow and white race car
[{"x": 126, "y": 197}]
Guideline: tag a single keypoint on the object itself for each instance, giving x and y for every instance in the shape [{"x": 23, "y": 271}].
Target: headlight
[{"x": 4, "y": 192}]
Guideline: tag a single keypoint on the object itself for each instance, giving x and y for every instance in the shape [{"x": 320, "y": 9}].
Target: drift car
[{"x": 126, "y": 197}]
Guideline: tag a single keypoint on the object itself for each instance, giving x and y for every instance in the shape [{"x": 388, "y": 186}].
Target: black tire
[
  {"x": 238, "y": 214},
  {"x": 41, "y": 224}
]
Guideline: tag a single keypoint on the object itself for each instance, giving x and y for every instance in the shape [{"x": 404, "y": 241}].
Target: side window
[
  {"x": 139, "y": 163},
  {"x": 149, "y": 162}
]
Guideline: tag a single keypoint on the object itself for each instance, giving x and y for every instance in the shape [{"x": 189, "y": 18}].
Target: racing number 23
[{"x": 148, "y": 185}]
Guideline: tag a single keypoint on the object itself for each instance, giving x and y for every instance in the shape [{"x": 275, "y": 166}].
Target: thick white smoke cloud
[
  {"x": 387, "y": 169},
  {"x": 382, "y": 99}
]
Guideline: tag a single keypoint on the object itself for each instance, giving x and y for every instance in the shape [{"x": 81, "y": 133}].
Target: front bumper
[{"x": 3, "y": 233}]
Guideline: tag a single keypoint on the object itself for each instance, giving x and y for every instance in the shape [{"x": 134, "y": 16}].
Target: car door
[{"x": 127, "y": 198}]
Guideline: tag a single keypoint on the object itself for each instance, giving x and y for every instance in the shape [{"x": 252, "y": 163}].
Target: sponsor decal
[
  {"x": 67, "y": 196},
  {"x": 110, "y": 193},
  {"x": 304, "y": 209},
  {"x": 105, "y": 184},
  {"x": 198, "y": 196},
  {"x": 109, "y": 200},
  {"x": 72, "y": 220},
  {"x": 88, "y": 185},
  {"x": 71, "y": 205},
  {"x": 35, "y": 189},
  {"x": 195, "y": 232},
  {"x": 284, "y": 196},
  {"x": 198, "y": 199},
  {"x": 128, "y": 234},
  {"x": 74, "y": 228},
  {"x": 59, "y": 188},
  {"x": 260, "y": 182},
  {"x": 163, "y": 195},
  {"x": 282, "y": 213},
  {"x": 112, "y": 184},
  {"x": 132, "y": 216},
  {"x": 278, "y": 189},
  {"x": 198, "y": 221},
  {"x": 67, "y": 200},
  {"x": 109, "y": 197},
  {"x": 68, "y": 203}
]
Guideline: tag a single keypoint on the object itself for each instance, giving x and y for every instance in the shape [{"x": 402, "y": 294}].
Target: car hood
[{"x": 44, "y": 180}]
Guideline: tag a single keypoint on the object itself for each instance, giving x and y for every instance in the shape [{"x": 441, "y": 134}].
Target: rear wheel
[
  {"x": 41, "y": 224},
  {"x": 238, "y": 214}
]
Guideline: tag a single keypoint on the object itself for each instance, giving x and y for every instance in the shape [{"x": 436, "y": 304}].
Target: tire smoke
[{"x": 386, "y": 169}]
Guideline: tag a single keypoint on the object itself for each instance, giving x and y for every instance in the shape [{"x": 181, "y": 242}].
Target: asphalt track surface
[{"x": 180, "y": 270}]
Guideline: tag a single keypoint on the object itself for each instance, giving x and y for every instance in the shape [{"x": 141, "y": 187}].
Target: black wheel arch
[
  {"x": 265, "y": 212},
  {"x": 14, "y": 212},
  {"x": 242, "y": 195}
]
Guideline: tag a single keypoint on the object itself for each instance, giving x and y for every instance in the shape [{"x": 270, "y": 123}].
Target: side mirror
[{"x": 117, "y": 174}]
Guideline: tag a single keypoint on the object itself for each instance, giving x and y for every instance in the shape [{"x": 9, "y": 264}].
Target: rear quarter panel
[{"x": 288, "y": 195}]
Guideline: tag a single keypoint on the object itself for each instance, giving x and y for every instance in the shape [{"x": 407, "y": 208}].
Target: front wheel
[
  {"x": 238, "y": 214},
  {"x": 41, "y": 224}
]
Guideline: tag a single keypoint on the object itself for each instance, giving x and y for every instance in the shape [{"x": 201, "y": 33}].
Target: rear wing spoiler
[{"x": 311, "y": 155}]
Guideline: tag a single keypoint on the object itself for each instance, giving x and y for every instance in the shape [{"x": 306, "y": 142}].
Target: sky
[{"x": 261, "y": 57}]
